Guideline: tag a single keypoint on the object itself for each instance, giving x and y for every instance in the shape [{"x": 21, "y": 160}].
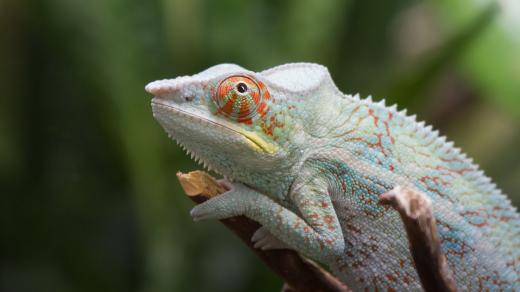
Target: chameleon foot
[{"x": 264, "y": 240}]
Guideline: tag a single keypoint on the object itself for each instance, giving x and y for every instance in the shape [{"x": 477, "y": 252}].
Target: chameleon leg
[
  {"x": 315, "y": 232},
  {"x": 229, "y": 204}
]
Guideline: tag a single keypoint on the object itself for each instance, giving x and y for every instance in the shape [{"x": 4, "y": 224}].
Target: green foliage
[{"x": 89, "y": 199}]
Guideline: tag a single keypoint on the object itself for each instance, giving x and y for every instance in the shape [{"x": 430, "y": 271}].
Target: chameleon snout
[{"x": 176, "y": 89}]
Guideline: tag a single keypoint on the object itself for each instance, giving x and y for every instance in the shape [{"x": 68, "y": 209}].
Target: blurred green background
[{"x": 88, "y": 195}]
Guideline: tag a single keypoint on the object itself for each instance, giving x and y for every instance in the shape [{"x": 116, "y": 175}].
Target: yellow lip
[{"x": 258, "y": 142}]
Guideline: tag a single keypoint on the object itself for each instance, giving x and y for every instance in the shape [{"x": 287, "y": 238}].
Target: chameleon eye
[
  {"x": 241, "y": 87},
  {"x": 240, "y": 98}
]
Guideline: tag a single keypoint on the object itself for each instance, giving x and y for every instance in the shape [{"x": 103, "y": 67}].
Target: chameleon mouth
[{"x": 251, "y": 138}]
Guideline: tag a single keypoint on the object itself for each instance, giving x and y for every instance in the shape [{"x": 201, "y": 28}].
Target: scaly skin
[{"x": 310, "y": 162}]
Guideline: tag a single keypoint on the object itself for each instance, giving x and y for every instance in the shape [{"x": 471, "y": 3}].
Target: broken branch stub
[{"x": 415, "y": 210}]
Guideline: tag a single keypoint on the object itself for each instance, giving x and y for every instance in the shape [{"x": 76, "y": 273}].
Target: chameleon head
[{"x": 234, "y": 120}]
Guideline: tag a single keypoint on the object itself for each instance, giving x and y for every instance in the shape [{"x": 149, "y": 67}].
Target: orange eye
[{"x": 240, "y": 98}]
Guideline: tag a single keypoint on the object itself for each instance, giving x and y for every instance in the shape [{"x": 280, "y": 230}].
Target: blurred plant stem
[
  {"x": 415, "y": 81},
  {"x": 314, "y": 41},
  {"x": 175, "y": 15},
  {"x": 122, "y": 63}
]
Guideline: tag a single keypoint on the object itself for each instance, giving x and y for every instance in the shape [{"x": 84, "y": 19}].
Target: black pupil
[{"x": 241, "y": 87}]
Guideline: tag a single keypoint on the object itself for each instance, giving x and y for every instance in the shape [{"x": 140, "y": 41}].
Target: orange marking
[
  {"x": 387, "y": 128},
  {"x": 314, "y": 216},
  {"x": 328, "y": 241},
  {"x": 256, "y": 96},
  {"x": 244, "y": 110},
  {"x": 228, "y": 107},
  {"x": 328, "y": 219},
  {"x": 262, "y": 109},
  {"x": 376, "y": 119},
  {"x": 407, "y": 280},
  {"x": 247, "y": 121},
  {"x": 391, "y": 278}
]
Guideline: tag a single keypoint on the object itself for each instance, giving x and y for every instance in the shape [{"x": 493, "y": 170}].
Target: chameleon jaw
[{"x": 252, "y": 139}]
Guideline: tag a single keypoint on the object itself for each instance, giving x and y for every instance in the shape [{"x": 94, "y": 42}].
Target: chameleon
[{"x": 309, "y": 163}]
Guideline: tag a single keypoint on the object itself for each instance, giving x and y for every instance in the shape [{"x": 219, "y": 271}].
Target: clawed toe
[{"x": 264, "y": 240}]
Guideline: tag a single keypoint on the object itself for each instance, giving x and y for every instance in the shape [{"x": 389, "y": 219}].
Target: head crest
[{"x": 297, "y": 77}]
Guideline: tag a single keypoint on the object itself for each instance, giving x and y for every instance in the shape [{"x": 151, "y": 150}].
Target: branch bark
[
  {"x": 415, "y": 210},
  {"x": 298, "y": 273}
]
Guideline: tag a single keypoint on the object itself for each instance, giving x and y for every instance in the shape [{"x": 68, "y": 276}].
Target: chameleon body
[{"x": 309, "y": 163}]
